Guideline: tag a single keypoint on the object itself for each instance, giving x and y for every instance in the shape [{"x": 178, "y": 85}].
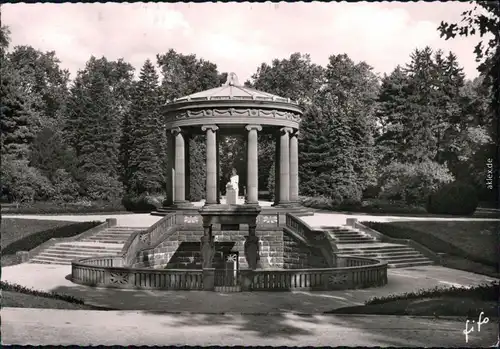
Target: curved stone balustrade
[
  {"x": 144, "y": 240},
  {"x": 356, "y": 272}
]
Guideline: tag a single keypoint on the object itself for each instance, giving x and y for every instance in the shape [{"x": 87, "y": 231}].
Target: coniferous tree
[
  {"x": 93, "y": 127},
  {"x": 296, "y": 78},
  {"x": 391, "y": 111},
  {"x": 336, "y": 152},
  {"x": 144, "y": 163}
]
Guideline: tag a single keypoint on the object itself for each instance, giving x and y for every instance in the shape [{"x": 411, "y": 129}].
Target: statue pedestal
[
  {"x": 231, "y": 195},
  {"x": 230, "y": 214},
  {"x": 208, "y": 279}
]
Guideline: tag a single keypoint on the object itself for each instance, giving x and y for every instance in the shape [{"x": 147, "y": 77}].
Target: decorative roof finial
[{"x": 232, "y": 80}]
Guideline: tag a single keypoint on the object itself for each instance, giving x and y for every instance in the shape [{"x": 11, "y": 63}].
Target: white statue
[{"x": 235, "y": 181}]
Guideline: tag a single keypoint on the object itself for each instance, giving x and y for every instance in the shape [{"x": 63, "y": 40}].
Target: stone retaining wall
[{"x": 277, "y": 249}]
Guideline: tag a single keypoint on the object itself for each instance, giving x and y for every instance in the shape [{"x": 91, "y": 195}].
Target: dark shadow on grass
[{"x": 35, "y": 239}]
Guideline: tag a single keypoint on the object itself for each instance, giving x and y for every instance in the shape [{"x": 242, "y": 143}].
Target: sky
[{"x": 238, "y": 37}]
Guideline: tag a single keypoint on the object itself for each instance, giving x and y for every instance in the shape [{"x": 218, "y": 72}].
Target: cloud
[{"x": 236, "y": 36}]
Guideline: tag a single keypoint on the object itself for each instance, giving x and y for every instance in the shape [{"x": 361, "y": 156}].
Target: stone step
[
  {"x": 354, "y": 236},
  {"x": 344, "y": 231},
  {"x": 87, "y": 244},
  {"x": 76, "y": 254},
  {"x": 409, "y": 264},
  {"x": 44, "y": 261},
  {"x": 63, "y": 249},
  {"x": 109, "y": 237},
  {"x": 118, "y": 233},
  {"x": 50, "y": 260},
  {"x": 388, "y": 254},
  {"x": 120, "y": 228},
  {"x": 108, "y": 240},
  {"x": 405, "y": 259},
  {"x": 353, "y": 241},
  {"x": 374, "y": 247}
]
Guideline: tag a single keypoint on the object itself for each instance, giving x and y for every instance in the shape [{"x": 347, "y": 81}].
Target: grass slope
[
  {"x": 26, "y": 234},
  {"x": 453, "y": 301},
  {"x": 14, "y": 229},
  {"x": 17, "y": 296},
  {"x": 466, "y": 245}
]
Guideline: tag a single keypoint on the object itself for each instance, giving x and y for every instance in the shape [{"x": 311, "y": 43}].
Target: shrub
[
  {"x": 454, "y": 198},
  {"x": 413, "y": 183},
  {"x": 31, "y": 241},
  {"x": 65, "y": 188},
  {"x": 80, "y": 207},
  {"x": 143, "y": 203},
  {"x": 485, "y": 292},
  {"x": 270, "y": 181},
  {"x": 101, "y": 187},
  {"x": 24, "y": 183},
  {"x": 371, "y": 192},
  {"x": 318, "y": 202},
  {"x": 197, "y": 167}
]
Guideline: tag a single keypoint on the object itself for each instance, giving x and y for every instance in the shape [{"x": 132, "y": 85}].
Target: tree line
[{"x": 101, "y": 136}]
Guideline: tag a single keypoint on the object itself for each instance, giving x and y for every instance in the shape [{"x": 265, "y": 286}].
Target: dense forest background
[{"x": 100, "y": 136}]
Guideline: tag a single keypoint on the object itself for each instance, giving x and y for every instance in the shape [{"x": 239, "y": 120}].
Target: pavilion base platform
[{"x": 296, "y": 209}]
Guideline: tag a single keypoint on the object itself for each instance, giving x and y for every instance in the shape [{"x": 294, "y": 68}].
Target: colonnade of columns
[{"x": 287, "y": 166}]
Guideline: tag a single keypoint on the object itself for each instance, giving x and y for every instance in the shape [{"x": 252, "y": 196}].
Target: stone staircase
[
  {"x": 356, "y": 243},
  {"x": 106, "y": 242}
]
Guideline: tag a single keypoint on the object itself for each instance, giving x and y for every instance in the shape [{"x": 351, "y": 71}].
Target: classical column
[
  {"x": 211, "y": 188},
  {"x": 187, "y": 156},
  {"x": 294, "y": 167},
  {"x": 180, "y": 167},
  {"x": 277, "y": 169},
  {"x": 217, "y": 140},
  {"x": 170, "y": 176},
  {"x": 284, "y": 194},
  {"x": 252, "y": 164}
]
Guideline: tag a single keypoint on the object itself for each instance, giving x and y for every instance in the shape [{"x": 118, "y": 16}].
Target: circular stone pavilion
[{"x": 232, "y": 109}]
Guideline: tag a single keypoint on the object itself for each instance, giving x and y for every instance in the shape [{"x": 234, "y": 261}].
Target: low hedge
[
  {"x": 428, "y": 240},
  {"x": 41, "y": 207},
  {"x": 367, "y": 206},
  {"x": 455, "y": 199},
  {"x": 5, "y": 286},
  {"x": 29, "y": 242},
  {"x": 143, "y": 203},
  {"x": 484, "y": 292}
]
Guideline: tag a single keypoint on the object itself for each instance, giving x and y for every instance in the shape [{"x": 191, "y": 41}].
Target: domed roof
[{"x": 232, "y": 90}]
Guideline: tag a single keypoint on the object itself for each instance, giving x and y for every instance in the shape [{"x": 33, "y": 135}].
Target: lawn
[
  {"x": 477, "y": 238},
  {"x": 435, "y": 302},
  {"x": 438, "y": 306},
  {"x": 381, "y": 207},
  {"x": 17, "y": 296},
  {"x": 26, "y": 234},
  {"x": 20, "y": 300},
  {"x": 466, "y": 245},
  {"x": 14, "y": 229}
]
